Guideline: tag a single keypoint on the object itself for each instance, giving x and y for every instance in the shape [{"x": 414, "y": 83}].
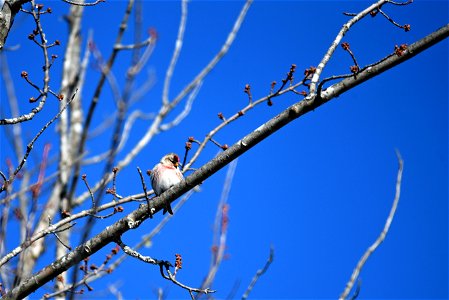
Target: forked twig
[
  {"x": 164, "y": 268},
  {"x": 31, "y": 144},
  {"x": 338, "y": 38}
]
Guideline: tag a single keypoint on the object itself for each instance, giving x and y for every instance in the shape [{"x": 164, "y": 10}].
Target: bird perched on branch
[{"x": 165, "y": 175}]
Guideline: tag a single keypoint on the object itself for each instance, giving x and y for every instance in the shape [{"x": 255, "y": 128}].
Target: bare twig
[
  {"x": 346, "y": 47},
  {"x": 57, "y": 237},
  {"x": 185, "y": 112},
  {"x": 406, "y": 26},
  {"x": 176, "y": 52},
  {"x": 148, "y": 41},
  {"x": 164, "y": 267},
  {"x": 224, "y": 49},
  {"x": 144, "y": 187},
  {"x": 3, "y": 176},
  {"x": 330, "y": 51},
  {"x": 259, "y": 273},
  {"x": 133, "y": 117},
  {"x": 381, "y": 237},
  {"x": 227, "y": 121},
  {"x": 169, "y": 276},
  {"x": 220, "y": 228},
  {"x": 46, "y": 78},
  {"x": 135, "y": 254},
  {"x": 400, "y": 3},
  {"x": 31, "y": 144},
  {"x": 84, "y": 178},
  {"x": 83, "y": 3}
]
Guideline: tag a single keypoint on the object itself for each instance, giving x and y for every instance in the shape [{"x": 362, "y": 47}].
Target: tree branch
[
  {"x": 381, "y": 237},
  {"x": 259, "y": 273}
]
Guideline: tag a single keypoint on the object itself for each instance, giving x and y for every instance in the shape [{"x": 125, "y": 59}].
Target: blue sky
[{"x": 320, "y": 189}]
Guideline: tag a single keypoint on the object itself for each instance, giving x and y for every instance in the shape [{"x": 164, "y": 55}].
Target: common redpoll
[{"x": 165, "y": 175}]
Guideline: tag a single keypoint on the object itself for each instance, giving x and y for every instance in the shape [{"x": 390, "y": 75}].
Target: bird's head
[{"x": 171, "y": 159}]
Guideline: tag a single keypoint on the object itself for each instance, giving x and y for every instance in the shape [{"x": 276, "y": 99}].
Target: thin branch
[
  {"x": 227, "y": 121},
  {"x": 220, "y": 228},
  {"x": 224, "y": 49},
  {"x": 148, "y": 41},
  {"x": 185, "y": 112},
  {"x": 110, "y": 76},
  {"x": 4, "y": 178},
  {"x": 259, "y": 273},
  {"x": 191, "y": 290},
  {"x": 135, "y": 115},
  {"x": 27, "y": 188},
  {"x": 381, "y": 237},
  {"x": 335, "y": 77},
  {"x": 140, "y": 92},
  {"x": 83, "y": 177},
  {"x": 135, "y": 254},
  {"x": 46, "y": 78},
  {"x": 83, "y": 3},
  {"x": 406, "y": 27},
  {"x": 143, "y": 60},
  {"x": 31, "y": 144},
  {"x": 338, "y": 38},
  {"x": 144, "y": 187},
  {"x": 400, "y": 3},
  {"x": 164, "y": 266},
  {"x": 176, "y": 52},
  {"x": 62, "y": 243}
]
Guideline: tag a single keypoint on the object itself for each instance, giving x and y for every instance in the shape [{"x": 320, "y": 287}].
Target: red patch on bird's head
[{"x": 174, "y": 159}]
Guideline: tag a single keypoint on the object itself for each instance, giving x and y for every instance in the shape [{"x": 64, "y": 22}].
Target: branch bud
[{"x": 345, "y": 46}]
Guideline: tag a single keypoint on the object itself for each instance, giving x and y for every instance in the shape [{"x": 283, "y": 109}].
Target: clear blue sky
[{"x": 320, "y": 189}]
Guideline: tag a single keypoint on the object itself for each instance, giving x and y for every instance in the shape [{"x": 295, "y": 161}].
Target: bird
[{"x": 164, "y": 175}]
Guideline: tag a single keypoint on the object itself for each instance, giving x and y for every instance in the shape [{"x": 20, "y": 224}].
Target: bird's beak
[{"x": 176, "y": 164}]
